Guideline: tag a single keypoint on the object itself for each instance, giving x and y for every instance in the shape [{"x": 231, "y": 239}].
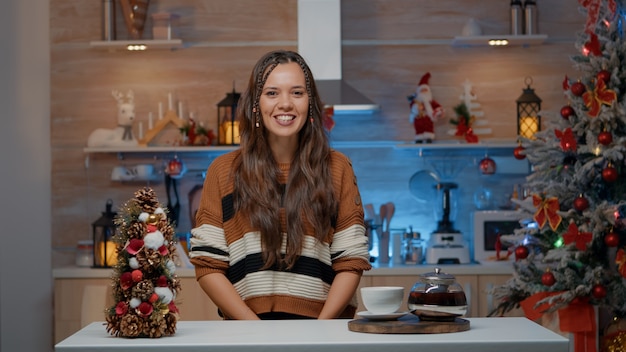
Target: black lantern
[
  {"x": 528, "y": 107},
  {"x": 228, "y": 126},
  {"x": 104, "y": 255}
]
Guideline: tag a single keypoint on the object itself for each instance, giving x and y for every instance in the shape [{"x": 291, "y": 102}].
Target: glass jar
[
  {"x": 437, "y": 296},
  {"x": 84, "y": 253}
]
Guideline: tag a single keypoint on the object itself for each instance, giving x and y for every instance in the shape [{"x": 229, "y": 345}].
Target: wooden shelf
[
  {"x": 150, "y": 44},
  {"x": 513, "y": 40}
]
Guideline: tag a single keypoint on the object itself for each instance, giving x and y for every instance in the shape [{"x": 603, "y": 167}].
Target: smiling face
[{"x": 284, "y": 103}]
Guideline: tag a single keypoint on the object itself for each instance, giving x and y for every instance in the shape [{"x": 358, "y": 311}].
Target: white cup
[
  {"x": 144, "y": 171},
  {"x": 382, "y": 299}
]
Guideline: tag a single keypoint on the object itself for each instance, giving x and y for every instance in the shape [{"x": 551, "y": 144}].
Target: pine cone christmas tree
[
  {"x": 577, "y": 207},
  {"x": 144, "y": 281}
]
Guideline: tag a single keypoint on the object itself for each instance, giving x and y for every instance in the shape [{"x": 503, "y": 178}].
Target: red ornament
[
  {"x": 611, "y": 239},
  {"x": 518, "y": 153},
  {"x": 548, "y": 279},
  {"x": 581, "y": 203},
  {"x": 609, "y": 174},
  {"x": 604, "y": 75},
  {"x": 605, "y": 138},
  {"x": 521, "y": 252},
  {"x": 578, "y": 89},
  {"x": 487, "y": 166},
  {"x": 567, "y": 111},
  {"x": 598, "y": 291}
]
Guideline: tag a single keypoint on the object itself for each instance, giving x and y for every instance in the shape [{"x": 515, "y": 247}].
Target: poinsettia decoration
[
  {"x": 568, "y": 142},
  {"x": 574, "y": 236},
  {"x": 594, "y": 99},
  {"x": 463, "y": 123},
  {"x": 546, "y": 211}
]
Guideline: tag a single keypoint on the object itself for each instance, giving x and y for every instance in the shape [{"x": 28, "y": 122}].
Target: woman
[{"x": 280, "y": 224}]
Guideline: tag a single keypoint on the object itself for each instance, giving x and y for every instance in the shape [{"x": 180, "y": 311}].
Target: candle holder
[{"x": 528, "y": 108}]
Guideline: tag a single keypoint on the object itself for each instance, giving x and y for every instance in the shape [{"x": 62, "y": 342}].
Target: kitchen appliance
[
  {"x": 437, "y": 296},
  {"x": 446, "y": 245},
  {"x": 488, "y": 226}
]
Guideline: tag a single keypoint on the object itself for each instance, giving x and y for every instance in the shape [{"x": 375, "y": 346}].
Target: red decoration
[
  {"x": 547, "y": 211},
  {"x": 487, "y": 166},
  {"x": 567, "y": 111},
  {"x": 620, "y": 260},
  {"x": 592, "y": 46},
  {"x": 568, "y": 142},
  {"x": 327, "y": 118},
  {"x": 593, "y": 11},
  {"x": 611, "y": 239},
  {"x": 581, "y": 203},
  {"x": 521, "y": 252},
  {"x": 137, "y": 275},
  {"x": 595, "y": 98},
  {"x": 580, "y": 238},
  {"x": 609, "y": 174},
  {"x": 548, "y": 279},
  {"x": 518, "y": 153},
  {"x": 565, "y": 83},
  {"x": 121, "y": 308},
  {"x": 578, "y": 89},
  {"x": 174, "y": 167},
  {"x": 605, "y": 138},
  {"x": 598, "y": 291},
  {"x": 604, "y": 75}
]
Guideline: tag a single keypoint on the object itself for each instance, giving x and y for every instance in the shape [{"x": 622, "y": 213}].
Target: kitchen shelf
[
  {"x": 513, "y": 40},
  {"x": 151, "y": 44}
]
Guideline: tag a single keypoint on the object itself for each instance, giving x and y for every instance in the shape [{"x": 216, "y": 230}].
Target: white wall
[{"x": 25, "y": 255}]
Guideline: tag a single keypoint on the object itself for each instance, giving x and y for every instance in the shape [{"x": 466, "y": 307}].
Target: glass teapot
[{"x": 437, "y": 296}]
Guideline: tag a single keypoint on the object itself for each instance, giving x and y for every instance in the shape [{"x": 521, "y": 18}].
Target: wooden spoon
[
  {"x": 370, "y": 214},
  {"x": 382, "y": 214},
  {"x": 390, "y": 210}
]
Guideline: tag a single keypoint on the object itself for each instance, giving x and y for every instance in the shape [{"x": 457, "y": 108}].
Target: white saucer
[{"x": 389, "y": 316}]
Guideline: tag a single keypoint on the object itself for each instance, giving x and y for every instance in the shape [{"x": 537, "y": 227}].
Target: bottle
[
  {"x": 530, "y": 17},
  {"x": 108, "y": 20},
  {"x": 516, "y": 17}
]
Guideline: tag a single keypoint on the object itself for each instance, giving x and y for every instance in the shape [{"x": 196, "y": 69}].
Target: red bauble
[
  {"x": 581, "y": 203},
  {"x": 487, "y": 166},
  {"x": 605, "y": 138},
  {"x": 598, "y": 291},
  {"x": 604, "y": 75},
  {"x": 611, "y": 239},
  {"x": 521, "y": 252},
  {"x": 567, "y": 111},
  {"x": 578, "y": 89},
  {"x": 609, "y": 174},
  {"x": 548, "y": 279},
  {"x": 518, "y": 153}
]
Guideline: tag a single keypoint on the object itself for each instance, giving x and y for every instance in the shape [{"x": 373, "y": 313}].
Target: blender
[{"x": 446, "y": 245}]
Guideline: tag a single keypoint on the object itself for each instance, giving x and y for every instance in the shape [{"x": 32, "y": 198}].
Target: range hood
[{"x": 319, "y": 42}]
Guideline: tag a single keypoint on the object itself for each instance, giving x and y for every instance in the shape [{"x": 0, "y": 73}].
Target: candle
[
  {"x": 140, "y": 130},
  {"x": 160, "y": 110},
  {"x": 150, "y": 120},
  {"x": 180, "y": 109},
  {"x": 170, "y": 102}
]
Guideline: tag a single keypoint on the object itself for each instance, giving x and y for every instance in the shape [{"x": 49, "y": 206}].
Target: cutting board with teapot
[{"x": 408, "y": 324}]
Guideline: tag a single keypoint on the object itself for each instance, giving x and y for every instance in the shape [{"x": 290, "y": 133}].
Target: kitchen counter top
[
  {"x": 485, "y": 334},
  {"x": 74, "y": 272}
]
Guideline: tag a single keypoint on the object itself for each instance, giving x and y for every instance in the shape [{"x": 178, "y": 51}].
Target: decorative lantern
[
  {"x": 228, "y": 126},
  {"x": 104, "y": 255},
  {"x": 528, "y": 107}
]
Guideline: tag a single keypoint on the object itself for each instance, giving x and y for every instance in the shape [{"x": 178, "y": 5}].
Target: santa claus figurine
[{"x": 424, "y": 111}]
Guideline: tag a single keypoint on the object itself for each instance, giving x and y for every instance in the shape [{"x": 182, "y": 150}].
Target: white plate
[{"x": 371, "y": 316}]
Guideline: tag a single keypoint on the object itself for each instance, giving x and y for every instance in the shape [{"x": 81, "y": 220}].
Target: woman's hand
[{"x": 224, "y": 295}]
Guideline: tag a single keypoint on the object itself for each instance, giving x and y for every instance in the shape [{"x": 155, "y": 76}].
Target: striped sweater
[{"x": 224, "y": 242}]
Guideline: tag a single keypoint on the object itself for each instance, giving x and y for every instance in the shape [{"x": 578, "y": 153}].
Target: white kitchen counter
[
  {"x": 485, "y": 334},
  {"x": 74, "y": 272}
]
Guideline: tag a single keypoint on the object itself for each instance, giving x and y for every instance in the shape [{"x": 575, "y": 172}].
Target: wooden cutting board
[{"x": 408, "y": 324}]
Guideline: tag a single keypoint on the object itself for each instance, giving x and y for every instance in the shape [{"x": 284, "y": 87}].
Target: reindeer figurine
[{"x": 122, "y": 135}]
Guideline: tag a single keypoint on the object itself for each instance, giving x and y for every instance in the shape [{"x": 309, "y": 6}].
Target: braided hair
[{"x": 308, "y": 196}]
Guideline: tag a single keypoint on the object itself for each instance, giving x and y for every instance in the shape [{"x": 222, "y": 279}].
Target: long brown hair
[{"x": 308, "y": 195}]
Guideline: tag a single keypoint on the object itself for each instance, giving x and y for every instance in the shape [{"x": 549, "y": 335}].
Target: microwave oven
[{"x": 488, "y": 226}]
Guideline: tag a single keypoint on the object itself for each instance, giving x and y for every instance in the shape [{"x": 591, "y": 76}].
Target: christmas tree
[
  {"x": 144, "y": 280},
  {"x": 571, "y": 254}
]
